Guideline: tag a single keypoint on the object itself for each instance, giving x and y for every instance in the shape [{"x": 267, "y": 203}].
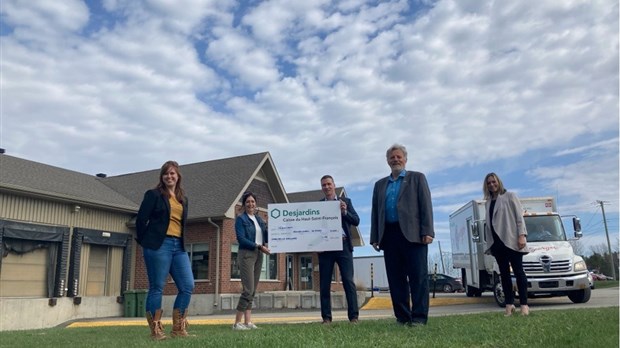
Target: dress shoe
[
  {"x": 326, "y": 321},
  {"x": 354, "y": 321},
  {"x": 509, "y": 310},
  {"x": 525, "y": 310}
]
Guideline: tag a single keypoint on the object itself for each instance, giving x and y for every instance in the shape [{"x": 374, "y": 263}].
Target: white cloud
[{"x": 324, "y": 88}]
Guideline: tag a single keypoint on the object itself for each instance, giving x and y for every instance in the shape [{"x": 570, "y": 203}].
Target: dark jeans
[
  {"x": 344, "y": 259},
  {"x": 505, "y": 258},
  {"x": 168, "y": 259},
  {"x": 407, "y": 272}
]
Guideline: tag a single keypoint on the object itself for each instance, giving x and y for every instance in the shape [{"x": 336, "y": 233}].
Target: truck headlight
[{"x": 580, "y": 266}]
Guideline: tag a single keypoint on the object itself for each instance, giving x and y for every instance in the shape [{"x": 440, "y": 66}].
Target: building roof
[
  {"x": 41, "y": 180},
  {"x": 213, "y": 187},
  {"x": 312, "y": 196}
]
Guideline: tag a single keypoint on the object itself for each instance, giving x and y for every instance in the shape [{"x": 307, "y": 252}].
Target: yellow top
[{"x": 176, "y": 214}]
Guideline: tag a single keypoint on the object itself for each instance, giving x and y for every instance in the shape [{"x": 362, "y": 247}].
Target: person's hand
[
  {"x": 521, "y": 241},
  {"x": 265, "y": 250},
  {"x": 376, "y": 246},
  {"x": 427, "y": 239},
  {"x": 343, "y": 207}
]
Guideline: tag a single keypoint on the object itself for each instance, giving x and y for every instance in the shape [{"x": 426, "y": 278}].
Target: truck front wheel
[
  {"x": 580, "y": 296},
  {"x": 498, "y": 294}
]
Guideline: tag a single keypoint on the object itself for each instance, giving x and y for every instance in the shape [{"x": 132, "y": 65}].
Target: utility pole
[
  {"x": 443, "y": 268},
  {"x": 611, "y": 256}
]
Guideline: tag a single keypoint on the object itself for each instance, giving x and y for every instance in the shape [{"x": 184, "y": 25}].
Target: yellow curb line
[
  {"x": 372, "y": 304},
  {"x": 386, "y": 302}
]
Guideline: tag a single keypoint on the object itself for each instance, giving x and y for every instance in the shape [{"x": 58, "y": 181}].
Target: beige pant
[{"x": 250, "y": 263}]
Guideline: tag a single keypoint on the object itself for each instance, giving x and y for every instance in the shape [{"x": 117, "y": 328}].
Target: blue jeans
[{"x": 171, "y": 259}]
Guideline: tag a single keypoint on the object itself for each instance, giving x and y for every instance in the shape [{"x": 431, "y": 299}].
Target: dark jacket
[
  {"x": 246, "y": 231},
  {"x": 153, "y": 219},
  {"x": 415, "y": 208},
  {"x": 348, "y": 219}
]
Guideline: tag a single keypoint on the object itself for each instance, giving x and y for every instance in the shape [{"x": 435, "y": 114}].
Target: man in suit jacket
[
  {"x": 344, "y": 257},
  {"x": 402, "y": 226}
]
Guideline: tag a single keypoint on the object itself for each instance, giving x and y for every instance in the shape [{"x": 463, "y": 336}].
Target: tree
[
  {"x": 599, "y": 261},
  {"x": 435, "y": 259}
]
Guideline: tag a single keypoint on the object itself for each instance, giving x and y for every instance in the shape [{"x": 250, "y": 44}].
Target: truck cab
[{"x": 551, "y": 267}]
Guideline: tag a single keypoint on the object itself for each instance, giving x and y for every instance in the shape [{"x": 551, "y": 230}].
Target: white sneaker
[
  {"x": 240, "y": 326},
  {"x": 251, "y": 326}
]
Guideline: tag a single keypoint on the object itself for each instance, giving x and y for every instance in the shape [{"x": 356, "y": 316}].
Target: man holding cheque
[{"x": 344, "y": 257}]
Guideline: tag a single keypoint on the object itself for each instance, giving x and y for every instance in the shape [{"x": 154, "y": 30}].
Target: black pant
[
  {"x": 344, "y": 259},
  {"x": 505, "y": 258},
  {"x": 407, "y": 272}
]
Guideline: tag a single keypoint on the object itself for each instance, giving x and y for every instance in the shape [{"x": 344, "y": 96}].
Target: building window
[
  {"x": 234, "y": 266},
  {"x": 269, "y": 269},
  {"x": 199, "y": 255}
]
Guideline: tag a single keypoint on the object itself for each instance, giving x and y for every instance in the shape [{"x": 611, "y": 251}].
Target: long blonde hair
[{"x": 485, "y": 189}]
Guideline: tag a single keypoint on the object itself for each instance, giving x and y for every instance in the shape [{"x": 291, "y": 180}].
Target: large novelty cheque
[{"x": 308, "y": 226}]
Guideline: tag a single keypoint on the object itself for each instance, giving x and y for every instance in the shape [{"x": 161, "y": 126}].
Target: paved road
[{"x": 600, "y": 298}]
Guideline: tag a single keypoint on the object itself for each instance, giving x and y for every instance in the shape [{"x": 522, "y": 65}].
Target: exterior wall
[
  {"x": 28, "y": 313},
  {"x": 28, "y": 209},
  {"x": 204, "y": 232},
  {"x": 34, "y": 313}
]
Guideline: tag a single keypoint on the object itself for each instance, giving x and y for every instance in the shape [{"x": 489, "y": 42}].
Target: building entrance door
[{"x": 305, "y": 272}]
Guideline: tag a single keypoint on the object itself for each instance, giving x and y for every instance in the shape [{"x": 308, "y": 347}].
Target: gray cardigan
[{"x": 507, "y": 221}]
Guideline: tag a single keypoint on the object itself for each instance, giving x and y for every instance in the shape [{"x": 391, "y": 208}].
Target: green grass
[
  {"x": 605, "y": 284},
  {"x": 547, "y": 328}
]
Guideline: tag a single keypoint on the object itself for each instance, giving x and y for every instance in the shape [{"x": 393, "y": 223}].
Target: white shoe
[
  {"x": 251, "y": 326},
  {"x": 240, "y": 326}
]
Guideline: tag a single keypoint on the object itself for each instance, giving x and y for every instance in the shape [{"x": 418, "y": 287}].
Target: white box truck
[{"x": 552, "y": 268}]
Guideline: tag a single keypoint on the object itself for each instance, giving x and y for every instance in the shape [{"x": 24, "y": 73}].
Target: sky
[{"x": 527, "y": 89}]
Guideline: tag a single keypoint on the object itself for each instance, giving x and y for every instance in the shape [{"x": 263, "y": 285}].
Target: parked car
[
  {"x": 600, "y": 276},
  {"x": 591, "y": 280},
  {"x": 445, "y": 283}
]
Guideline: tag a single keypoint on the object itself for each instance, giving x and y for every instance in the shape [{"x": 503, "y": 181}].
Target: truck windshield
[{"x": 544, "y": 228}]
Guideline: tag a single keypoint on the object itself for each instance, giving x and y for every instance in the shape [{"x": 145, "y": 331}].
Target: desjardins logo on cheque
[{"x": 276, "y": 213}]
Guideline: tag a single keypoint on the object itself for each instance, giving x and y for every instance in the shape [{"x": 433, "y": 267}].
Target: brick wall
[{"x": 204, "y": 232}]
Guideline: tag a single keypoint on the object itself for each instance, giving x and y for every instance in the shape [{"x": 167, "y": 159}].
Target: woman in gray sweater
[{"x": 506, "y": 239}]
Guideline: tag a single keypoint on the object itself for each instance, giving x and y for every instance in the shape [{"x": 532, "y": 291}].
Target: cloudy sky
[{"x": 527, "y": 89}]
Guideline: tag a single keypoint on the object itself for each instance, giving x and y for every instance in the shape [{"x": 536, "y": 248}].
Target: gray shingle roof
[
  {"x": 310, "y": 196},
  {"x": 211, "y": 187},
  {"x": 20, "y": 175}
]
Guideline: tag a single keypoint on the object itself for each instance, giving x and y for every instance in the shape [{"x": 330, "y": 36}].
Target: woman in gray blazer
[{"x": 506, "y": 239}]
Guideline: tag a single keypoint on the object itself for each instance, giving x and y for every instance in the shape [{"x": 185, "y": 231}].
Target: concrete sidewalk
[{"x": 375, "y": 308}]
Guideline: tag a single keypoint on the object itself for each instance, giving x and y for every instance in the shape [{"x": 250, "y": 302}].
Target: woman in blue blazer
[
  {"x": 251, "y": 233},
  {"x": 160, "y": 226}
]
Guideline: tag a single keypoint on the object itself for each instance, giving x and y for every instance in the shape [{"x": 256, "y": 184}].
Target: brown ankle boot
[
  {"x": 157, "y": 329},
  {"x": 179, "y": 324}
]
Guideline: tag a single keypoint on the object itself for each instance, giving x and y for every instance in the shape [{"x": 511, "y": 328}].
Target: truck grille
[{"x": 545, "y": 264}]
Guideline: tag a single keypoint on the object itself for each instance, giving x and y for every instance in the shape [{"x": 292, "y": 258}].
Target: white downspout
[{"x": 217, "y": 264}]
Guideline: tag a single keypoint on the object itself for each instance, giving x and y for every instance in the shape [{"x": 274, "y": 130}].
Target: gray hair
[{"x": 396, "y": 147}]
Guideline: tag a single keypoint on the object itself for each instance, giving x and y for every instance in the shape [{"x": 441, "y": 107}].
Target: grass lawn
[
  {"x": 548, "y": 328},
  {"x": 602, "y": 284}
]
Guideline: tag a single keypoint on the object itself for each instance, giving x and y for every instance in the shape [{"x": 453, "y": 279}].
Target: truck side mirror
[{"x": 577, "y": 227}]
